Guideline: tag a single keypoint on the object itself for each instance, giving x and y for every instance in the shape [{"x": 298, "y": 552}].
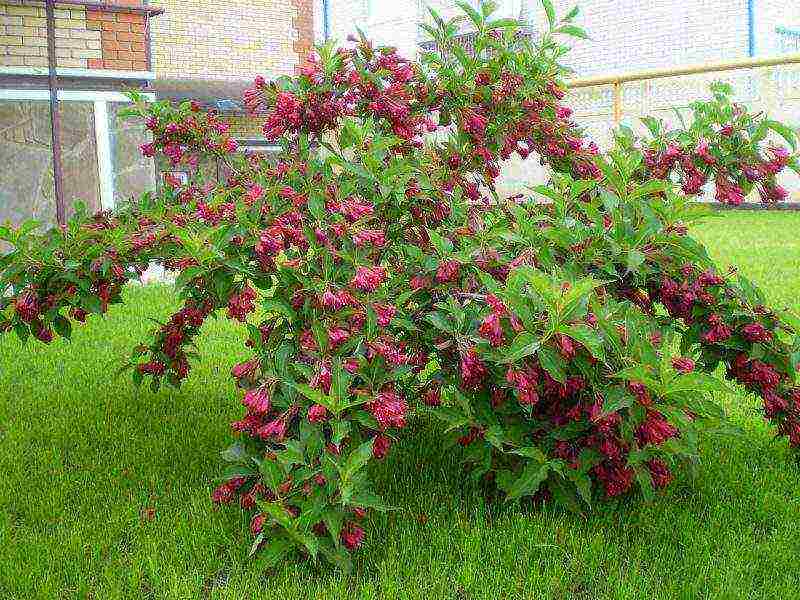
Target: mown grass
[{"x": 105, "y": 489}]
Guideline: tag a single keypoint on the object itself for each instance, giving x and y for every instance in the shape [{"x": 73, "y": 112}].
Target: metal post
[
  {"x": 55, "y": 118},
  {"x": 617, "y": 102}
]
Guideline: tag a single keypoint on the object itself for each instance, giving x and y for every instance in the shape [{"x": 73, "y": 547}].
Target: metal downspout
[
  {"x": 326, "y": 19},
  {"x": 55, "y": 117}
]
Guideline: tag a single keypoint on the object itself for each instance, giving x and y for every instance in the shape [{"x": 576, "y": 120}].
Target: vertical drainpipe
[
  {"x": 751, "y": 27},
  {"x": 55, "y": 117},
  {"x": 326, "y": 19}
]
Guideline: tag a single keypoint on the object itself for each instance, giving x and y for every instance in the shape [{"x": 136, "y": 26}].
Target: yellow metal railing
[
  {"x": 602, "y": 103},
  {"x": 616, "y": 80}
]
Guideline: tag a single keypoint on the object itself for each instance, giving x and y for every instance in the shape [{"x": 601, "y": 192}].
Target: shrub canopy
[{"x": 565, "y": 337}]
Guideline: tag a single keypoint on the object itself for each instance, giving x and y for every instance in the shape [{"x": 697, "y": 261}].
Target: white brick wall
[
  {"x": 626, "y": 34},
  {"x": 772, "y": 14}
]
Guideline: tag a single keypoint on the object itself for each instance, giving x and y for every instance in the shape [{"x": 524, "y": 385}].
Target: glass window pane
[
  {"x": 79, "y": 155},
  {"x": 133, "y": 173},
  {"x": 27, "y": 189}
]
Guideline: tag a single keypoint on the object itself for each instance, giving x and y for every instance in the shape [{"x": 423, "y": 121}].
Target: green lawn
[{"x": 105, "y": 489}]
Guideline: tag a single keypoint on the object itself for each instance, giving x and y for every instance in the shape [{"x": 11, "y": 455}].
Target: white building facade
[{"x": 625, "y": 34}]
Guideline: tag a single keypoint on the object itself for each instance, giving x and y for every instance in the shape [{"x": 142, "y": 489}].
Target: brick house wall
[
  {"x": 231, "y": 40},
  {"x": 195, "y": 39},
  {"x": 85, "y": 38}
]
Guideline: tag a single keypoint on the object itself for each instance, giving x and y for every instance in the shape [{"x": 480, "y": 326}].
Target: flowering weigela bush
[{"x": 566, "y": 344}]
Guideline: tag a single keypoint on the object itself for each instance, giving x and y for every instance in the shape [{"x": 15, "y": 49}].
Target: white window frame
[{"x": 105, "y": 165}]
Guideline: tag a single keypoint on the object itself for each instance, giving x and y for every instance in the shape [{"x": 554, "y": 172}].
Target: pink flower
[
  {"x": 380, "y": 446},
  {"x": 257, "y": 400},
  {"x": 660, "y": 473},
  {"x": 703, "y": 152},
  {"x": 492, "y": 330},
  {"x": 616, "y": 479},
  {"x": 655, "y": 429},
  {"x": 433, "y": 396},
  {"x": 241, "y": 304},
  {"x": 322, "y": 380},
  {"x": 448, "y": 271},
  {"x": 566, "y": 346},
  {"x": 473, "y": 371},
  {"x": 372, "y": 237},
  {"x": 389, "y": 409},
  {"x": 683, "y": 365},
  {"x": 420, "y": 283},
  {"x": 148, "y": 150},
  {"x": 354, "y": 209},
  {"x": 317, "y": 413},
  {"x": 369, "y": 279},
  {"x": 223, "y": 494},
  {"x": 246, "y": 369},
  {"x": 257, "y": 524},
  {"x": 274, "y": 430},
  {"x": 352, "y": 536},
  {"x": 385, "y": 314},
  {"x": 475, "y": 123},
  {"x": 338, "y": 336},
  {"x": 27, "y": 306},
  {"x": 756, "y": 332}
]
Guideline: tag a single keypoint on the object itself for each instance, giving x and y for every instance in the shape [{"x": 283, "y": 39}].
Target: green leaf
[
  {"x": 233, "y": 471},
  {"x": 540, "y": 282},
  {"x": 272, "y": 553},
  {"x": 341, "y": 430},
  {"x": 340, "y": 383},
  {"x": 452, "y": 416},
  {"x": 696, "y": 382},
  {"x": 443, "y": 245},
  {"x": 550, "y": 12},
  {"x": 187, "y": 275},
  {"x": 474, "y": 15},
  {"x": 503, "y": 24},
  {"x": 524, "y": 345},
  {"x": 272, "y": 473},
  {"x": 787, "y": 133},
  {"x": 333, "y": 520},
  {"x": 616, "y": 398},
  {"x": 645, "y": 482},
  {"x": 357, "y": 460},
  {"x": 440, "y": 321},
  {"x": 63, "y": 327},
  {"x": 574, "y": 31},
  {"x": 92, "y": 304},
  {"x": 340, "y": 558},
  {"x": 553, "y": 363},
  {"x": 310, "y": 542},
  {"x": 292, "y": 455},
  {"x": 277, "y": 511},
  {"x": 316, "y": 206},
  {"x": 273, "y": 305},
  {"x": 314, "y": 395},
  {"x": 588, "y": 337},
  {"x": 531, "y": 452},
  {"x": 635, "y": 260},
  {"x": 529, "y": 481},
  {"x": 582, "y": 483}
]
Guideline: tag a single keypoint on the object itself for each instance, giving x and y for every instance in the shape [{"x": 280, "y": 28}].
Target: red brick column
[
  {"x": 123, "y": 36},
  {"x": 304, "y": 25}
]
